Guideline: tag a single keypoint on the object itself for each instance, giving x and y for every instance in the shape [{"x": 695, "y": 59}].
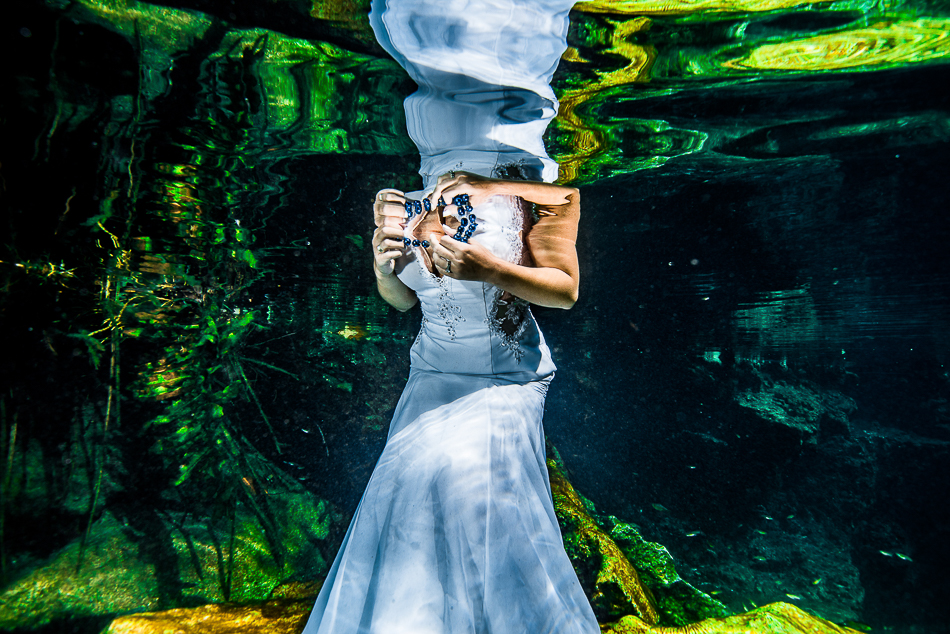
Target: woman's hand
[
  {"x": 387, "y": 248},
  {"x": 389, "y": 213},
  {"x": 389, "y": 209},
  {"x": 462, "y": 260},
  {"x": 478, "y": 188}
]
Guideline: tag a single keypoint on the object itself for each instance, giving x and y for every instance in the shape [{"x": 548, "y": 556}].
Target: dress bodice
[{"x": 474, "y": 327}]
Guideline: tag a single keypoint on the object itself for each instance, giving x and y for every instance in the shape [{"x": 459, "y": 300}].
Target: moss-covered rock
[
  {"x": 622, "y": 572},
  {"x": 288, "y": 617},
  {"x": 678, "y": 601},
  {"x": 186, "y": 562},
  {"x": 271, "y": 617},
  {"x": 775, "y": 618},
  {"x": 612, "y": 584}
]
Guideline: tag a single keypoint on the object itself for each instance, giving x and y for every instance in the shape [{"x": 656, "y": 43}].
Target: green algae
[
  {"x": 612, "y": 584},
  {"x": 212, "y": 561},
  {"x": 678, "y": 601},
  {"x": 163, "y": 309}
]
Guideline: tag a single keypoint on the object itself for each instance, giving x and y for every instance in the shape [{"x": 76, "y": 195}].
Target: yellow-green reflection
[
  {"x": 884, "y": 43},
  {"x": 652, "y": 7},
  {"x": 665, "y": 43},
  {"x": 351, "y": 15},
  {"x": 591, "y": 148},
  {"x": 587, "y": 141}
]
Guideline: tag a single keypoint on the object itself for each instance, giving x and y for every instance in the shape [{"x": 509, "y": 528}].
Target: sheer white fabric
[
  {"x": 456, "y": 531},
  {"x": 484, "y": 69}
]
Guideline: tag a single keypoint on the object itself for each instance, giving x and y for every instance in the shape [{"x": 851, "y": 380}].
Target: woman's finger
[
  {"x": 389, "y": 207},
  {"x": 447, "y": 193},
  {"x": 389, "y": 244},
  {"x": 390, "y": 218},
  {"x": 438, "y": 251},
  {"x": 387, "y": 254},
  {"x": 445, "y": 265},
  {"x": 389, "y": 194},
  {"x": 434, "y": 197},
  {"x": 446, "y": 243},
  {"x": 440, "y": 255},
  {"x": 388, "y": 231},
  {"x": 446, "y": 181},
  {"x": 396, "y": 205},
  {"x": 456, "y": 189}
]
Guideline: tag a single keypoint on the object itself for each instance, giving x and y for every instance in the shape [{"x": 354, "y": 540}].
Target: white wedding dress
[{"x": 456, "y": 531}]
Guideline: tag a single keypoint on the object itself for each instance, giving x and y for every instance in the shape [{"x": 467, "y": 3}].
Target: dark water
[{"x": 756, "y": 373}]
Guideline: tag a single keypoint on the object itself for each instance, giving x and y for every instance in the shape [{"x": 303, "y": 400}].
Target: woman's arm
[
  {"x": 390, "y": 214},
  {"x": 554, "y": 280},
  {"x": 543, "y": 286},
  {"x": 396, "y": 294},
  {"x": 552, "y": 286}
]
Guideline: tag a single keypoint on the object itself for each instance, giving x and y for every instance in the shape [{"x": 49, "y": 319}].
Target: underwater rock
[
  {"x": 287, "y": 616},
  {"x": 678, "y": 601},
  {"x": 617, "y": 588},
  {"x": 188, "y": 562},
  {"x": 801, "y": 406},
  {"x": 775, "y": 618},
  {"x": 621, "y": 571},
  {"x": 271, "y": 617}
]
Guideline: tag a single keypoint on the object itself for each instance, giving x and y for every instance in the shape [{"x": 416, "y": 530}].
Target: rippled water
[{"x": 189, "y": 315}]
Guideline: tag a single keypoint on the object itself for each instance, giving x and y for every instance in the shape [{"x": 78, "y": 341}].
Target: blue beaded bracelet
[{"x": 466, "y": 225}]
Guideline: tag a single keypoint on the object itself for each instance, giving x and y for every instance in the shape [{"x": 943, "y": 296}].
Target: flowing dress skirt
[{"x": 456, "y": 531}]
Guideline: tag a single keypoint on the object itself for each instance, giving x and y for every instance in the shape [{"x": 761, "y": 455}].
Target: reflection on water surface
[{"x": 195, "y": 358}]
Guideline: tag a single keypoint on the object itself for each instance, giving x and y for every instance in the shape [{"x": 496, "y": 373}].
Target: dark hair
[{"x": 515, "y": 171}]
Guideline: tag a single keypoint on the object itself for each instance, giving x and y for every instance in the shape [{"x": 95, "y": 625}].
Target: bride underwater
[{"x": 456, "y": 530}]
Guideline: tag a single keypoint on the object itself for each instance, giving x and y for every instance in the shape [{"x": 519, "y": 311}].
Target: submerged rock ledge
[
  {"x": 289, "y": 616},
  {"x": 775, "y": 618},
  {"x": 273, "y": 617}
]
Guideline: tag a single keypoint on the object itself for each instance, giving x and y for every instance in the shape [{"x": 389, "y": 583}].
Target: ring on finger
[{"x": 380, "y": 248}]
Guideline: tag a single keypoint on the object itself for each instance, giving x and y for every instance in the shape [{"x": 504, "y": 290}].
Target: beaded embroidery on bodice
[{"x": 466, "y": 315}]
